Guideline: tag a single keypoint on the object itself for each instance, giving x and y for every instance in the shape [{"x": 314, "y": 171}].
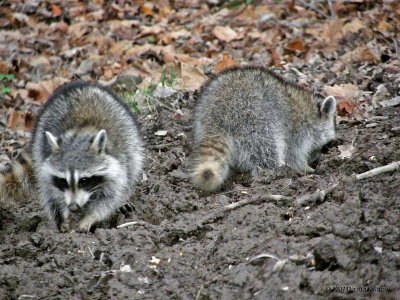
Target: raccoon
[
  {"x": 87, "y": 154},
  {"x": 16, "y": 182},
  {"x": 248, "y": 118}
]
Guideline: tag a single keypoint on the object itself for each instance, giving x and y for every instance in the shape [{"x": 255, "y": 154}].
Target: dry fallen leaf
[
  {"x": 226, "y": 62},
  {"x": 384, "y": 26},
  {"x": 37, "y": 61},
  {"x": 380, "y": 94},
  {"x": 192, "y": 77},
  {"x": 295, "y": 46},
  {"x": 276, "y": 59},
  {"x": 346, "y": 151},
  {"x": 77, "y": 30},
  {"x": 147, "y": 9},
  {"x": 41, "y": 91},
  {"x": 345, "y": 95},
  {"x": 345, "y": 108},
  {"x": 354, "y": 26},
  {"x": 56, "y": 10},
  {"x": 360, "y": 54},
  {"x": 16, "y": 120},
  {"x": 225, "y": 33},
  {"x": 343, "y": 92}
]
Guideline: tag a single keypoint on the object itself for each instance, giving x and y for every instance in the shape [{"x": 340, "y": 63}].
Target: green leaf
[
  {"x": 5, "y": 90},
  {"x": 6, "y": 77}
]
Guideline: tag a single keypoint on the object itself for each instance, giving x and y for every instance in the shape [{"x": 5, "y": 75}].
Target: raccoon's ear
[
  {"x": 53, "y": 142},
  {"x": 99, "y": 143},
  {"x": 328, "y": 106}
]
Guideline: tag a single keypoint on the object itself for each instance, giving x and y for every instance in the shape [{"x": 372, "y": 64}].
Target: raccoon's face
[
  {"x": 77, "y": 167},
  {"x": 325, "y": 132}
]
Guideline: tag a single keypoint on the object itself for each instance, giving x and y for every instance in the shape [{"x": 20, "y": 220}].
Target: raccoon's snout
[{"x": 73, "y": 207}]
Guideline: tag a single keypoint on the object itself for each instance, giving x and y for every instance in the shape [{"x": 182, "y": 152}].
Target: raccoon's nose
[{"x": 73, "y": 207}]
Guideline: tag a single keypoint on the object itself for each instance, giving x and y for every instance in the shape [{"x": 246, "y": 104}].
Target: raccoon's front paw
[
  {"x": 86, "y": 223},
  {"x": 308, "y": 169},
  {"x": 127, "y": 208},
  {"x": 65, "y": 226}
]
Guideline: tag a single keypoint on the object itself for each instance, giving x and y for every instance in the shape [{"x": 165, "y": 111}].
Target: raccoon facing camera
[{"x": 87, "y": 155}]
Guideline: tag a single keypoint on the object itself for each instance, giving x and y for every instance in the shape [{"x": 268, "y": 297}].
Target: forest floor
[{"x": 183, "y": 244}]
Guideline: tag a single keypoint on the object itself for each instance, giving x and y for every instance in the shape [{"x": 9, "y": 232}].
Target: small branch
[
  {"x": 330, "y": 5},
  {"x": 315, "y": 197},
  {"x": 264, "y": 255},
  {"x": 388, "y": 168},
  {"x": 313, "y": 8},
  {"x": 396, "y": 47},
  {"x": 255, "y": 200},
  {"x": 241, "y": 190},
  {"x": 91, "y": 252},
  {"x": 132, "y": 223}
]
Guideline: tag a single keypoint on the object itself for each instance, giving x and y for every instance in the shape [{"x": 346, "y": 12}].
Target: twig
[
  {"x": 330, "y": 5},
  {"x": 206, "y": 284},
  {"x": 315, "y": 197},
  {"x": 298, "y": 73},
  {"x": 101, "y": 257},
  {"x": 396, "y": 47},
  {"x": 255, "y": 200},
  {"x": 91, "y": 252},
  {"x": 267, "y": 255},
  {"x": 279, "y": 262},
  {"x": 132, "y": 223},
  {"x": 313, "y": 8},
  {"x": 388, "y": 168},
  {"x": 240, "y": 190}
]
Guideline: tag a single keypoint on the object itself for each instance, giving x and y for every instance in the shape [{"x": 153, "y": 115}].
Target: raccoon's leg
[
  {"x": 301, "y": 167},
  {"x": 56, "y": 214},
  {"x": 256, "y": 154},
  {"x": 66, "y": 221},
  {"x": 211, "y": 163},
  {"x": 101, "y": 210},
  {"x": 87, "y": 222}
]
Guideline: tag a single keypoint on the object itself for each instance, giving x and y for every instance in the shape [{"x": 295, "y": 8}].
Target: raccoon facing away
[
  {"x": 87, "y": 154},
  {"x": 248, "y": 118}
]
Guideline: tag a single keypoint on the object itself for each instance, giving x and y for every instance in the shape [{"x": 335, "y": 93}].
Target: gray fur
[
  {"x": 85, "y": 131},
  {"x": 248, "y": 118}
]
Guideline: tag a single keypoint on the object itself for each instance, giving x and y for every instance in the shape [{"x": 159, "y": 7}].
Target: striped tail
[
  {"x": 210, "y": 164},
  {"x": 17, "y": 183}
]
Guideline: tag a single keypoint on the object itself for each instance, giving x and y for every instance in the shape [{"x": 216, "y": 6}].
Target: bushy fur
[
  {"x": 249, "y": 118},
  {"x": 87, "y": 154},
  {"x": 16, "y": 183}
]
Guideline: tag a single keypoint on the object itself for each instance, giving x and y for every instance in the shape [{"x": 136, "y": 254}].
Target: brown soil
[{"x": 186, "y": 247}]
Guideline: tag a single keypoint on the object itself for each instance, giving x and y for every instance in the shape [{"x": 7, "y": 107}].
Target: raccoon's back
[
  {"x": 78, "y": 105},
  {"x": 236, "y": 100},
  {"x": 248, "y": 97}
]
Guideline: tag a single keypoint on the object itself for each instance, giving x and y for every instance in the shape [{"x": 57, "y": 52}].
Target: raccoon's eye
[
  {"x": 89, "y": 183},
  {"x": 60, "y": 183}
]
